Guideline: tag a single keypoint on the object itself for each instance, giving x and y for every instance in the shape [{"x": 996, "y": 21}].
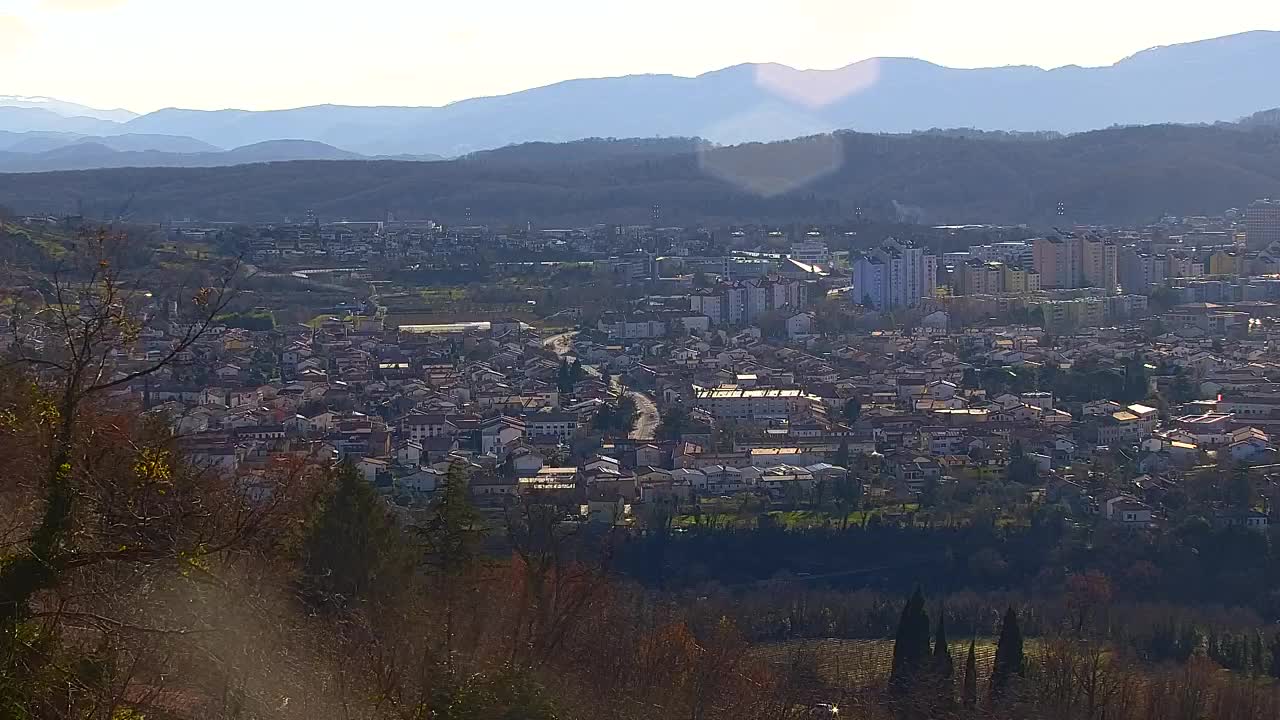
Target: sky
[{"x": 144, "y": 55}]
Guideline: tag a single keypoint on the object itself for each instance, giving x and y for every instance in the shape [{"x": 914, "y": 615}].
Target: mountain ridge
[
  {"x": 109, "y": 152},
  {"x": 1218, "y": 79},
  {"x": 1114, "y": 176}
]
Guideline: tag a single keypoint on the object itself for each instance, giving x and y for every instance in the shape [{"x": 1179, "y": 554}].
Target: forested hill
[{"x": 1118, "y": 175}]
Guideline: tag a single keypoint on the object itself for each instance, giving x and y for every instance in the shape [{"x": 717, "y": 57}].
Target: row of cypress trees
[{"x": 922, "y": 660}]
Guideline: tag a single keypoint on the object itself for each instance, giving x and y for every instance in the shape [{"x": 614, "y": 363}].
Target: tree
[
  {"x": 564, "y": 378},
  {"x": 911, "y": 651},
  {"x": 772, "y": 324},
  {"x": 852, "y": 409},
  {"x": 1009, "y": 661},
  {"x": 452, "y": 542},
  {"x": 842, "y": 454},
  {"x": 1241, "y": 493},
  {"x": 1022, "y": 469},
  {"x": 83, "y": 466},
  {"x": 354, "y": 549},
  {"x": 942, "y": 663},
  {"x": 969, "y": 693},
  {"x": 1273, "y": 649},
  {"x": 675, "y": 421},
  {"x": 1086, "y": 593},
  {"x": 451, "y": 536},
  {"x": 1135, "y": 379}
]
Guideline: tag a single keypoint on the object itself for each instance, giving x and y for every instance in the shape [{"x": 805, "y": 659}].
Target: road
[{"x": 647, "y": 422}]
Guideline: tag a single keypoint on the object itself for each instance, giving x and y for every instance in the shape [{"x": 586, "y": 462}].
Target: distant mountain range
[
  {"x": 48, "y": 151},
  {"x": 1222, "y": 79},
  {"x": 1115, "y": 176}
]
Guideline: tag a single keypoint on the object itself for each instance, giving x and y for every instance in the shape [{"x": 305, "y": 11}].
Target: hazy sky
[{"x": 260, "y": 54}]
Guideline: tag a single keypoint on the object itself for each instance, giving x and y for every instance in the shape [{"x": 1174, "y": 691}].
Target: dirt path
[{"x": 561, "y": 344}]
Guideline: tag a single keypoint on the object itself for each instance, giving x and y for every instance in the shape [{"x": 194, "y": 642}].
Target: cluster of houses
[{"x": 895, "y": 414}]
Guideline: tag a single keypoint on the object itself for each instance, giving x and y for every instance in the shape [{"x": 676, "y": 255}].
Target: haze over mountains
[{"x": 1222, "y": 79}]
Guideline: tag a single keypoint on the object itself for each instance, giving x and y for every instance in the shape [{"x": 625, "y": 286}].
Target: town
[{"x": 812, "y": 375}]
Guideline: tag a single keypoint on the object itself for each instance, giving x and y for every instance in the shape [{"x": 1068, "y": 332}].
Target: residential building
[
  {"x": 732, "y": 402},
  {"x": 898, "y": 274},
  {"x": 1262, "y": 224}
]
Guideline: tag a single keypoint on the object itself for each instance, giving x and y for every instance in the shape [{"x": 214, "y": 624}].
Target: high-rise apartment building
[
  {"x": 899, "y": 274},
  {"x": 1262, "y": 224},
  {"x": 1098, "y": 263},
  {"x": 1058, "y": 261}
]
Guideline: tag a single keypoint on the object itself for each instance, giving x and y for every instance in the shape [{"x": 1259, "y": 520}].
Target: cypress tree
[
  {"x": 911, "y": 651},
  {"x": 1009, "y": 658},
  {"x": 564, "y": 378},
  {"x": 1274, "y": 659},
  {"x": 842, "y": 457},
  {"x": 969, "y": 694},
  {"x": 942, "y": 663}
]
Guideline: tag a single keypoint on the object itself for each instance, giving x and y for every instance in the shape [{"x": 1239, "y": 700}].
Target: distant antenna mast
[
  {"x": 467, "y": 215},
  {"x": 655, "y": 214},
  {"x": 1062, "y": 209}
]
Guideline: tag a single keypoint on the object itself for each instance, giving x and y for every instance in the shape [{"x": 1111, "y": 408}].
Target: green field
[
  {"x": 866, "y": 663},
  {"x": 725, "y": 515}
]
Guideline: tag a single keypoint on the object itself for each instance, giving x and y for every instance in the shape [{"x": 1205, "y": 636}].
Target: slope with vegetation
[{"x": 1123, "y": 175}]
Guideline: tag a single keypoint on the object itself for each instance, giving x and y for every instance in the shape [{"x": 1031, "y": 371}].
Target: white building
[{"x": 899, "y": 274}]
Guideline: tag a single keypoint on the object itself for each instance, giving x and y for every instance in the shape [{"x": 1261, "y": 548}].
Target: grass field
[
  {"x": 726, "y": 516},
  {"x": 866, "y": 663}
]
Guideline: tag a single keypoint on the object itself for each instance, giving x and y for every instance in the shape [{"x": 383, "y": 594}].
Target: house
[
  {"x": 799, "y": 325},
  {"x": 420, "y": 483},
  {"x": 915, "y": 472},
  {"x": 525, "y": 462},
  {"x": 499, "y": 432},
  {"x": 1119, "y": 428},
  {"x": 372, "y": 468},
  {"x": 228, "y": 372},
  {"x": 1249, "y": 519},
  {"x": 605, "y": 510},
  {"x": 409, "y": 453},
  {"x": 1127, "y": 510},
  {"x": 491, "y": 487},
  {"x": 418, "y": 427},
  {"x": 650, "y": 454}
]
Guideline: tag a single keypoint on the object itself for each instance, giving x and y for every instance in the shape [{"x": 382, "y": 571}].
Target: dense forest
[{"x": 1120, "y": 175}]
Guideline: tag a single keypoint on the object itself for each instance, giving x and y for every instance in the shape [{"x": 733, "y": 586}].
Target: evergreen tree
[
  {"x": 1274, "y": 651},
  {"x": 842, "y": 454},
  {"x": 576, "y": 372},
  {"x": 452, "y": 535},
  {"x": 942, "y": 662},
  {"x": 911, "y": 651},
  {"x": 354, "y": 549},
  {"x": 852, "y": 409},
  {"x": 969, "y": 693},
  {"x": 452, "y": 540},
  {"x": 564, "y": 378},
  {"x": 1009, "y": 656}
]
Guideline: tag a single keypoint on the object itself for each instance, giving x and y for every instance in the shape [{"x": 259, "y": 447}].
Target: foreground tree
[
  {"x": 452, "y": 540},
  {"x": 104, "y": 523},
  {"x": 354, "y": 550},
  {"x": 1009, "y": 662},
  {"x": 969, "y": 691},
  {"x": 911, "y": 650}
]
